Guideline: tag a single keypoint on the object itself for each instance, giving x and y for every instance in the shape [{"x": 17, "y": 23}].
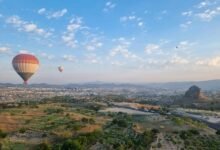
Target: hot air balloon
[
  {"x": 60, "y": 68},
  {"x": 25, "y": 65}
]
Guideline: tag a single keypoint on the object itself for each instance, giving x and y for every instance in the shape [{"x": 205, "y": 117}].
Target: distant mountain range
[{"x": 204, "y": 85}]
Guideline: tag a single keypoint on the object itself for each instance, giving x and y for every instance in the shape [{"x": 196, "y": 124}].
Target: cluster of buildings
[{"x": 12, "y": 94}]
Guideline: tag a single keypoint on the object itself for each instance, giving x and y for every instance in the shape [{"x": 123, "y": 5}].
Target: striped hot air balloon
[{"x": 25, "y": 65}]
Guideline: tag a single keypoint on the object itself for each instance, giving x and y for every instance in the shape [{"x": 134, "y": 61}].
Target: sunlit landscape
[{"x": 109, "y": 75}]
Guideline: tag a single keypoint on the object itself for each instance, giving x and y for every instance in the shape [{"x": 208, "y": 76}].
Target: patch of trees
[
  {"x": 53, "y": 110},
  {"x": 118, "y": 134},
  {"x": 218, "y": 132},
  {"x": 88, "y": 120},
  {"x": 121, "y": 120},
  {"x": 43, "y": 146},
  {"x": 194, "y": 140},
  {"x": 75, "y": 125},
  {"x": 188, "y": 134},
  {"x": 67, "y": 99},
  {"x": 22, "y": 130},
  {"x": 186, "y": 120},
  {"x": 3, "y": 134},
  {"x": 81, "y": 142}
]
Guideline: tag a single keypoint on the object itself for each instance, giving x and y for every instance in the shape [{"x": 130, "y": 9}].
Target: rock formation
[{"x": 194, "y": 92}]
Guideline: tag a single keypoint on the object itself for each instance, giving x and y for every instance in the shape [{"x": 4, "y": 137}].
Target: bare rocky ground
[
  {"x": 31, "y": 137},
  {"x": 165, "y": 144}
]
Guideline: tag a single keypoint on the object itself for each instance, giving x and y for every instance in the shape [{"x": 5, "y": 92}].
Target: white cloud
[
  {"x": 93, "y": 45},
  {"x": 15, "y": 20},
  {"x": 184, "y": 45},
  {"x": 117, "y": 63},
  {"x": 30, "y": 27},
  {"x": 132, "y": 18},
  {"x": 128, "y": 18},
  {"x": 70, "y": 58},
  {"x": 41, "y": 11},
  {"x": 108, "y": 6},
  {"x": 208, "y": 14},
  {"x": 24, "y": 51},
  {"x": 213, "y": 62},
  {"x": 186, "y": 25},
  {"x": 151, "y": 48},
  {"x": 187, "y": 13},
  {"x": 206, "y": 3},
  {"x": 202, "y": 4},
  {"x": 25, "y": 26},
  {"x": 178, "y": 60},
  {"x": 52, "y": 15},
  {"x": 78, "y": 34},
  {"x": 69, "y": 40},
  {"x": 140, "y": 24},
  {"x": 206, "y": 10},
  {"x": 122, "y": 49},
  {"x": 72, "y": 28},
  {"x": 58, "y": 14},
  {"x": 4, "y": 49},
  {"x": 47, "y": 56},
  {"x": 93, "y": 59},
  {"x": 201, "y": 62}
]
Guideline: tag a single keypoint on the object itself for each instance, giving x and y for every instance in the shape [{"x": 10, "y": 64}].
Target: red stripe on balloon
[{"x": 25, "y": 58}]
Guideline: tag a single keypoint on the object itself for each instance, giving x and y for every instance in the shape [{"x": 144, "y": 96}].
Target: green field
[{"x": 63, "y": 125}]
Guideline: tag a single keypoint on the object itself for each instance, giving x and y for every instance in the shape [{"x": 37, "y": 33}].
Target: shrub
[
  {"x": 178, "y": 121},
  {"x": 85, "y": 120},
  {"x": 193, "y": 131},
  {"x": 2, "y": 134},
  {"x": 24, "y": 112},
  {"x": 43, "y": 146},
  {"x": 159, "y": 145},
  {"x": 22, "y": 130},
  {"x": 27, "y": 121},
  {"x": 91, "y": 121},
  {"x": 118, "y": 146},
  {"x": 218, "y": 132},
  {"x": 155, "y": 131},
  {"x": 71, "y": 145},
  {"x": 75, "y": 126},
  {"x": 12, "y": 113},
  {"x": 56, "y": 146},
  {"x": 53, "y": 110},
  {"x": 120, "y": 122},
  {"x": 44, "y": 135}
]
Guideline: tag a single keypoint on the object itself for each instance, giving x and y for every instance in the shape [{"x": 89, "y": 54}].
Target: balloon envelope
[
  {"x": 60, "y": 68},
  {"x": 25, "y": 65}
]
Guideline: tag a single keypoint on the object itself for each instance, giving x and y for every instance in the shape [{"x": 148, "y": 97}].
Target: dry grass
[
  {"x": 9, "y": 123},
  {"x": 90, "y": 128}
]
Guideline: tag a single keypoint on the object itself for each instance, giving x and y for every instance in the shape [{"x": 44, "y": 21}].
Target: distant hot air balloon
[
  {"x": 25, "y": 65},
  {"x": 60, "y": 68}
]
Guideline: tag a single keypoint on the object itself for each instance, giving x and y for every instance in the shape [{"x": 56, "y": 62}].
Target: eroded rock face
[{"x": 194, "y": 92}]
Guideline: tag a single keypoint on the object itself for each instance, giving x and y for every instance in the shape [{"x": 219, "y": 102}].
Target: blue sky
[{"x": 112, "y": 41}]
